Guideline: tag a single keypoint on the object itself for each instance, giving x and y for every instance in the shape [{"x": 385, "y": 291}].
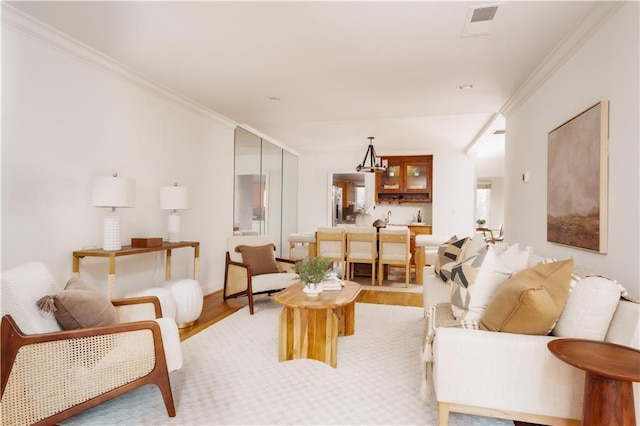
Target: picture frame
[{"x": 577, "y": 180}]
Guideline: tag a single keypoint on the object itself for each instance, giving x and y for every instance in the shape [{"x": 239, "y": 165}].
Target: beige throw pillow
[
  {"x": 80, "y": 305},
  {"x": 531, "y": 301},
  {"x": 260, "y": 259}
]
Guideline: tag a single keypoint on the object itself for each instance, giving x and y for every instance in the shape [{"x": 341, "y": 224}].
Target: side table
[
  {"x": 128, "y": 251},
  {"x": 608, "y": 388}
]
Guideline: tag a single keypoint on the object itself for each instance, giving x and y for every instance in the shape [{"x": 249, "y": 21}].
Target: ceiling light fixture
[
  {"x": 374, "y": 162},
  {"x": 465, "y": 86}
]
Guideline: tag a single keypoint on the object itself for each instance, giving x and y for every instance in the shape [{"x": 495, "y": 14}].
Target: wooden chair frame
[
  {"x": 339, "y": 236},
  {"x": 367, "y": 237},
  {"x": 237, "y": 279},
  {"x": 394, "y": 237},
  {"x": 13, "y": 342}
]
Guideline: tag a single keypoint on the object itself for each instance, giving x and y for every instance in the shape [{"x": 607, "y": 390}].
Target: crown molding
[
  {"x": 20, "y": 22},
  {"x": 582, "y": 32},
  {"x": 268, "y": 138}
]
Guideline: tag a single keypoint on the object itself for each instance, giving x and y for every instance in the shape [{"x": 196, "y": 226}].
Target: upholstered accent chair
[
  {"x": 50, "y": 374},
  {"x": 394, "y": 250},
  {"x": 253, "y": 268}
]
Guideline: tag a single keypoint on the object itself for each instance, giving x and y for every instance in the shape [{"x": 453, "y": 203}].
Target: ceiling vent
[
  {"x": 499, "y": 132},
  {"x": 484, "y": 13},
  {"x": 479, "y": 20}
]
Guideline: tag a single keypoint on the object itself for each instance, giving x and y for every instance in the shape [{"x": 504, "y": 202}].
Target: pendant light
[{"x": 373, "y": 165}]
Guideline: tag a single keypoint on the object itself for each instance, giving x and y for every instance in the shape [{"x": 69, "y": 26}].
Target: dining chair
[
  {"x": 331, "y": 243},
  {"x": 362, "y": 248},
  {"x": 394, "y": 249}
]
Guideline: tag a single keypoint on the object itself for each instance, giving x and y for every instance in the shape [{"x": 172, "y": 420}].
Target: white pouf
[
  {"x": 189, "y": 299},
  {"x": 167, "y": 302}
]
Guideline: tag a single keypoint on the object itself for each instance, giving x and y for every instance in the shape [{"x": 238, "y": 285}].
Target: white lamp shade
[
  {"x": 174, "y": 198},
  {"x": 113, "y": 192}
]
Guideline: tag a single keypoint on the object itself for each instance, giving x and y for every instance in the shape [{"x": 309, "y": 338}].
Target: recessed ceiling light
[{"x": 465, "y": 86}]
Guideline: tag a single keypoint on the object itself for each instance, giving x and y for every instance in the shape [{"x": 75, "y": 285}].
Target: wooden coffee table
[
  {"x": 310, "y": 326},
  {"x": 608, "y": 388}
]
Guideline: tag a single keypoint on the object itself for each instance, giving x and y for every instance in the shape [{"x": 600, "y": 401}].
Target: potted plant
[
  {"x": 481, "y": 223},
  {"x": 311, "y": 272}
]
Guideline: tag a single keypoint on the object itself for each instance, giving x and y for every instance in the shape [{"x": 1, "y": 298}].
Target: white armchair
[
  {"x": 50, "y": 374},
  {"x": 252, "y": 268}
]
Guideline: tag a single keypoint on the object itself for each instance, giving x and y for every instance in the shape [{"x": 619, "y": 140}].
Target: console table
[{"x": 128, "y": 251}]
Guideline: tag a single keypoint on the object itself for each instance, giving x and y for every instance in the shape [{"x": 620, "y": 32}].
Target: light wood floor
[{"x": 216, "y": 309}]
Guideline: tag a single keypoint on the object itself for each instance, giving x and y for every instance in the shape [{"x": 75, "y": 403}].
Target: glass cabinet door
[
  {"x": 416, "y": 176},
  {"x": 390, "y": 179}
]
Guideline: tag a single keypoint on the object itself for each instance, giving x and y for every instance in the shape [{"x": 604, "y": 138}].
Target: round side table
[{"x": 608, "y": 388}]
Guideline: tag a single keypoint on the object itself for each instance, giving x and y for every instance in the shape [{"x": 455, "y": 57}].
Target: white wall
[
  {"x": 604, "y": 68},
  {"x": 452, "y": 210},
  {"x": 66, "y": 121}
]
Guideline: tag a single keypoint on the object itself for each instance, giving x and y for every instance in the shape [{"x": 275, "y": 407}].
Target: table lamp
[
  {"x": 174, "y": 198},
  {"x": 113, "y": 192}
]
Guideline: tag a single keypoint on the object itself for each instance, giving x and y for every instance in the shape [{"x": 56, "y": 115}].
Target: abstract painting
[{"x": 577, "y": 180}]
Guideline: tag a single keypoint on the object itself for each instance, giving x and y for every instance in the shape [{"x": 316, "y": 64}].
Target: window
[
  {"x": 483, "y": 201},
  {"x": 360, "y": 198}
]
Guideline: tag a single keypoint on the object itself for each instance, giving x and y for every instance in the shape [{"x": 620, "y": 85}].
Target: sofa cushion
[
  {"x": 80, "y": 305},
  {"x": 270, "y": 282},
  {"x": 499, "y": 264},
  {"x": 531, "y": 301},
  {"x": 463, "y": 276},
  {"x": 449, "y": 254},
  {"x": 260, "y": 259},
  {"x": 589, "y": 309}
]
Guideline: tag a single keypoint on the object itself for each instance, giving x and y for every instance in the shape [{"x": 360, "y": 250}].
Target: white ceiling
[{"x": 342, "y": 71}]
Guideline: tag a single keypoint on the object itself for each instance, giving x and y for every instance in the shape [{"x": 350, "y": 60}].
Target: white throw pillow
[
  {"x": 589, "y": 309},
  {"x": 475, "y": 246},
  {"x": 495, "y": 270}
]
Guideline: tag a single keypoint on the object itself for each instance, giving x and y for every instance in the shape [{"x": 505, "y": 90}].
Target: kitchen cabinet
[{"x": 408, "y": 179}]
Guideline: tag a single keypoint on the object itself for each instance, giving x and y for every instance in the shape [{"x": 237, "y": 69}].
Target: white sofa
[{"x": 512, "y": 376}]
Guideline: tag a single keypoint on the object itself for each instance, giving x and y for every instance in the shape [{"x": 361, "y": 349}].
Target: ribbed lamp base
[
  {"x": 112, "y": 233},
  {"x": 174, "y": 228}
]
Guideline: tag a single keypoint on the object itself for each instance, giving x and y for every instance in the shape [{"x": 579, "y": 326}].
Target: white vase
[
  {"x": 364, "y": 219},
  {"x": 312, "y": 289}
]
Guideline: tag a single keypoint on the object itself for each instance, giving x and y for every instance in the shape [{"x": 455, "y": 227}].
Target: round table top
[
  {"x": 294, "y": 297},
  {"x": 602, "y": 358}
]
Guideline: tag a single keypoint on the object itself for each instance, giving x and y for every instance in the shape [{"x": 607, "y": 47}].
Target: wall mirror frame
[{"x": 265, "y": 195}]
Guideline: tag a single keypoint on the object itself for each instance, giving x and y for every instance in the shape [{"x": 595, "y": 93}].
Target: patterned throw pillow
[
  {"x": 441, "y": 249},
  {"x": 463, "y": 276},
  {"x": 449, "y": 256}
]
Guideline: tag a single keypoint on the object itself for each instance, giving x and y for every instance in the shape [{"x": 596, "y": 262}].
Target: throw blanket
[{"x": 441, "y": 315}]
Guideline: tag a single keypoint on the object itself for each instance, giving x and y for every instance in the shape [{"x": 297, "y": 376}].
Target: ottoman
[
  {"x": 188, "y": 296},
  {"x": 167, "y": 303}
]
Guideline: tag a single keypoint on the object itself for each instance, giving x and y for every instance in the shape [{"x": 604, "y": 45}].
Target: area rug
[{"x": 231, "y": 376}]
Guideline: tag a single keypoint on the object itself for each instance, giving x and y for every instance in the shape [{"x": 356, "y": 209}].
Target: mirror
[{"x": 265, "y": 189}]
